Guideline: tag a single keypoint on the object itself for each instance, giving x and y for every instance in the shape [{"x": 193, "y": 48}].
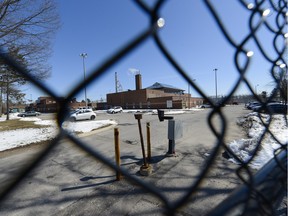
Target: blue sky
[{"x": 100, "y": 27}]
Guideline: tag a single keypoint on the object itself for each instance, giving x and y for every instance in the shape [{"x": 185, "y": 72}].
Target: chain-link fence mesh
[{"x": 260, "y": 193}]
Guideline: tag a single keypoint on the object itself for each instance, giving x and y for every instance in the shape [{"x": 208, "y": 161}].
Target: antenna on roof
[{"x": 118, "y": 86}]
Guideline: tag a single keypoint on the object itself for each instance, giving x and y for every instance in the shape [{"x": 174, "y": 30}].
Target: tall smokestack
[{"x": 138, "y": 81}]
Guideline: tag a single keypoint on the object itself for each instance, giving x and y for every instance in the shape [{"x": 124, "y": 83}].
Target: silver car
[
  {"x": 203, "y": 106},
  {"x": 29, "y": 113}
]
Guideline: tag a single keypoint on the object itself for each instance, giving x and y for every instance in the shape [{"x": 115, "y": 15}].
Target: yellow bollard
[{"x": 117, "y": 152}]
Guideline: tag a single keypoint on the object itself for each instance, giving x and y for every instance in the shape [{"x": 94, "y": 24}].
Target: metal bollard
[
  {"x": 171, "y": 138},
  {"x": 139, "y": 117},
  {"x": 145, "y": 169},
  {"x": 148, "y": 141},
  {"x": 117, "y": 153}
]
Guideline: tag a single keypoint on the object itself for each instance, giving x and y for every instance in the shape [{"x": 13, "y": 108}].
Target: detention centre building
[{"x": 157, "y": 96}]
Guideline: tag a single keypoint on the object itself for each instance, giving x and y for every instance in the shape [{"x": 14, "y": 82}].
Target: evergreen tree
[{"x": 10, "y": 79}]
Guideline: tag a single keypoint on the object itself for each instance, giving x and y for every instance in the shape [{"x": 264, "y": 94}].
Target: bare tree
[
  {"x": 281, "y": 82},
  {"x": 29, "y": 27}
]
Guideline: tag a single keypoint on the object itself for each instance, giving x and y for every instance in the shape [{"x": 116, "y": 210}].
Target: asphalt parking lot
[{"x": 69, "y": 181}]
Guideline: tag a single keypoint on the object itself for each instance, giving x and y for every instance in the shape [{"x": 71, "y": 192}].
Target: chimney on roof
[{"x": 138, "y": 81}]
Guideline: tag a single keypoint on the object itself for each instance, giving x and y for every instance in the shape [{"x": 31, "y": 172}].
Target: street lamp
[
  {"x": 193, "y": 80},
  {"x": 84, "y": 55},
  {"x": 256, "y": 89},
  {"x": 215, "y": 70}
]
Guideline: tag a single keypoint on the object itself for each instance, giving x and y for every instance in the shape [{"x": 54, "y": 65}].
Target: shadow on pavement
[{"x": 90, "y": 185}]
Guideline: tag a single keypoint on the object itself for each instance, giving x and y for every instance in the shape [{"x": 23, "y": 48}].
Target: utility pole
[
  {"x": 215, "y": 70},
  {"x": 84, "y": 55},
  {"x": 188, "y": 95},
  {"x": 116, "y": 80},
  {"x": 118, "y": 86},
  {"x": 256, "y": 89}
]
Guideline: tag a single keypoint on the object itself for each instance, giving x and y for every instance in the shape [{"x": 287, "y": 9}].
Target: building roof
[{"x": 158, "y": 85}]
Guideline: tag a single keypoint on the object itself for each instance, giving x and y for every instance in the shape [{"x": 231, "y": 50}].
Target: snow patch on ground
[
  {"x": 16, "y": 138},
  {"x": 87, "y": 126},
  {"x": 243, "y": 149},
  {"x": 21, "y": 137}
]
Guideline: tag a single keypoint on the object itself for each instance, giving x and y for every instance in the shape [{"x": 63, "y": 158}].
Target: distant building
[
  {"x": 157, "y": 96},
  {"x": 45, "y": 104},
  {"x": 48, "y": 104}
]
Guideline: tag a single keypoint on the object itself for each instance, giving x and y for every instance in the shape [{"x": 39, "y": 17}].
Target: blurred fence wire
[{"x": 259, "y": 193}]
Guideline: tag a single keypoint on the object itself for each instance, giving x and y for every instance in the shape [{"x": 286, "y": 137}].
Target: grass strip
[{"x": 14, "y": 124}]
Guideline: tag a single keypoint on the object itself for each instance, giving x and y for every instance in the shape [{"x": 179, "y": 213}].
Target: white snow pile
[
  {"x": 166, "y": 111},
  {"x": 244, "y": 148},
  {"x": 15, "y": 138},
  {"x": 86, "y": 126}
]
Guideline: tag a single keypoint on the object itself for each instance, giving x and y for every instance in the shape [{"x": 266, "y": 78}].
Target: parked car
[
  {"x": 29, "y": 113},
  {"x": 250, "y": 105},
  {"x": 82, "y": 114},
  {"x": 205, "y": 106},
  {"x": 272, "y": 108},
  {"x": 220, "y": 104},
  {"x": 116, "y": 109}
]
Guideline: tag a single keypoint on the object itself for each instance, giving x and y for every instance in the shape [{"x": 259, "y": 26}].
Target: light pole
[
  {"x": 189, "y": 96},
  {"x": 215, "y": 70},
  {"x": 1, "y": 100},
  {"x": 84, "y": 55},
  {"x": 256, "y": 89}
]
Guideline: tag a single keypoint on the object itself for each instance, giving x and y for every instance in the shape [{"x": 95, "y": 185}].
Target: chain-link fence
[{"x": 260, "y": 193}]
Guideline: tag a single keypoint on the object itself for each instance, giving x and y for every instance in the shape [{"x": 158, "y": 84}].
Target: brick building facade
[
  {"x": 157, "y": 96},
  {"x": 153, "y": 97},
  {"x": 47, "y": 104}
]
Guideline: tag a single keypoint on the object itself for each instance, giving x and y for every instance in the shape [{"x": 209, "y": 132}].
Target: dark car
[
  {"x": 250, "y": 105},
  {"x": 272, "y": 108},
  {"x": 29, "y": 113}
]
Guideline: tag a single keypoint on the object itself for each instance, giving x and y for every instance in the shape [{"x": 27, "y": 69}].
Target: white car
[
  {"x": 116, "y": 109},
  {"x": 82, "y": 114}
]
